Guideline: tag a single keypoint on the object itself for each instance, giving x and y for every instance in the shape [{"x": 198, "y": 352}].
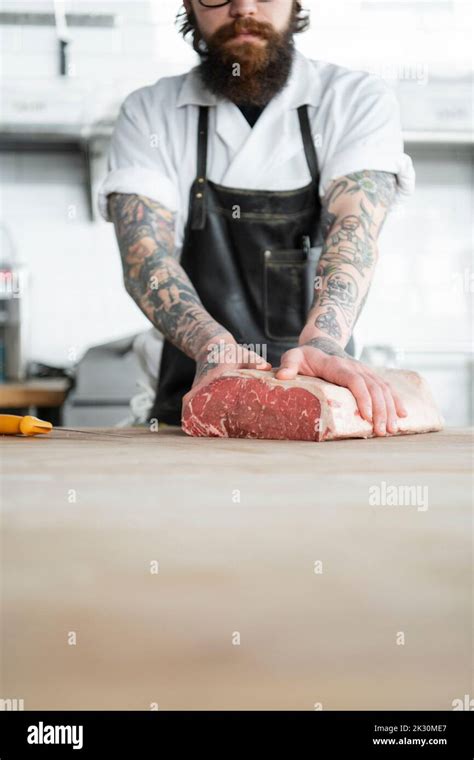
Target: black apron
[{"x": 251, "y": 256}]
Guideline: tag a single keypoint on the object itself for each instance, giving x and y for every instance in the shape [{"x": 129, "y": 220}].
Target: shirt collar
[{"x": 303, "y": 87}]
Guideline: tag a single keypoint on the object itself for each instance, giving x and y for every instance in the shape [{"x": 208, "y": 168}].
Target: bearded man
[{"x": 247, "y": 197}]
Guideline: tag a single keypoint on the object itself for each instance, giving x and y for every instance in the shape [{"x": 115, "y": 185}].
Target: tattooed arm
[
  {"x": 153, "y": 276},
  {"x": 353, "y": 213},
  {"x": 164, "y": 292},
  {"x": 354, "y": 210}
]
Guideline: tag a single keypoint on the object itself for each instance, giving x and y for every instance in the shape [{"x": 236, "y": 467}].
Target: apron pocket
[{"x": 288, "y": 288}]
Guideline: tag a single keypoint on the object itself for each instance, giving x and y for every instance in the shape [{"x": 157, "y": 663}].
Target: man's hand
[
  {"x": 222, "y": 354},
  {"x": 323, "y": 358}
]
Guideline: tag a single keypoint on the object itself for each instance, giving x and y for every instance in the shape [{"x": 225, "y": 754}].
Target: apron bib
[{"x": 251, "y": 256}]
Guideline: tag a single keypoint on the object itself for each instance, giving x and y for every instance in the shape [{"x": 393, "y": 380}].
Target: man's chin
[{"x": 264, "y": 67}]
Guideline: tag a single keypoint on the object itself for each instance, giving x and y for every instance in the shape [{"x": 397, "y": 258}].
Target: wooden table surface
[
  {"x": 42, "y": 392},
  {"x": 279, "y": 584}
]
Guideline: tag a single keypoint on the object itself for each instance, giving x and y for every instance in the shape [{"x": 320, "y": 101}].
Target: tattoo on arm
[
  {"x": 354, "y": 211},
  {"x": 153, "y": 276},
  {"x": 327, "y": 322},
  {"x": 328, "y": 346},
  {"x": 204, "y": 366},
  {"x": 377, "y": 187}
]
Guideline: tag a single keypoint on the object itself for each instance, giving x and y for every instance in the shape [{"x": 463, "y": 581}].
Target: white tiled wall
[
  {"x": 142, "y": 47},
  {"x": 76, "y": 291},
  {"x": 421, "y": 296},
  {"x": 77, "y": 294}
]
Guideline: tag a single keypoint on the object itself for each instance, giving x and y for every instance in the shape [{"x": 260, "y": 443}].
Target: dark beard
[{"x": 264, "y": 69}]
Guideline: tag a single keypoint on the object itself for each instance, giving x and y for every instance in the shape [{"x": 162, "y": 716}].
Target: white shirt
[{"x": 354, "y": 118}]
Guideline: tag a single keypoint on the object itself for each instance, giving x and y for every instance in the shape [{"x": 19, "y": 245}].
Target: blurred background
[{"x": 69, "y": 333}]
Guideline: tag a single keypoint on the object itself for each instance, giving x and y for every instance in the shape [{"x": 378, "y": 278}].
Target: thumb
[{"x": 288, "y": 368}]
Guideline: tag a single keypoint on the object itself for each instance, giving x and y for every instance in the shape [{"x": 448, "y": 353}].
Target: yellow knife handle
[
  {"x": 13, "y": 424},
  {"x": 10, "y": 424}
]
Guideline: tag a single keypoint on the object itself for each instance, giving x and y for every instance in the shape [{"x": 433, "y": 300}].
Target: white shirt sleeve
[
  {"x": 364, "y": 133},
  {"x": 137, "y": 160}
]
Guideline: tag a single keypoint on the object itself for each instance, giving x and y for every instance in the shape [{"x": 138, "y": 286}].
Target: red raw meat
[{"x": 253, "y": 404}]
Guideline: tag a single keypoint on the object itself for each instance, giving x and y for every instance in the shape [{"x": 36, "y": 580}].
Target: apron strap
[
  {"x": 198, "y": 219},
  {"x": 202, "y": 142},
  {"x": 308, "y": 144}
]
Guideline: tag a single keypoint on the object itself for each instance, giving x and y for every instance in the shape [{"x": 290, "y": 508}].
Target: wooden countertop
[
  {"x": 238, "y": 528},
  {"x": 47, "y": 392}
]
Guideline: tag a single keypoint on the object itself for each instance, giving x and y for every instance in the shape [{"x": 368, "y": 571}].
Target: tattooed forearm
[
  {"x": 353, "y": 213},
  {"x": 352, "y": 241},
  {"x": 327, "y": 322},
  {"x": 204, "y": 366},
  {"x": 378, "y": 187},
  {"x": 154, "y": 278},
  {"x": 328, "y": 346},
  {"x": 341, "y": 291}
]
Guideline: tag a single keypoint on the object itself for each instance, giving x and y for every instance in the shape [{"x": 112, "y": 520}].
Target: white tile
[
  {"x": 28, "y": 65},
  {"x": 97, "y": 41}
]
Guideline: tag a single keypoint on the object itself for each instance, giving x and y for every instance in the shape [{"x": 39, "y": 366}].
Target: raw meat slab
[{"x": 253, "y": 404}]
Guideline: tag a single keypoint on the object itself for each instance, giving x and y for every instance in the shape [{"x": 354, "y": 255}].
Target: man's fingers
[
  {"x": 254, "y": 364},
  {"x": 373, "y": 401},
  {"x": 392, "y": 424},
  {"x": 286, "y": 373},
  {"x": 379, "y": 407},
  {"x": 359, "y": 390},
  {"x": 245, "y": 358},
  {"x": 390, "y": 409},
  {"x": 252, "y": 360},
  {"x": 399, "y": 405},
  {"x": 288, "y": 368}
]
